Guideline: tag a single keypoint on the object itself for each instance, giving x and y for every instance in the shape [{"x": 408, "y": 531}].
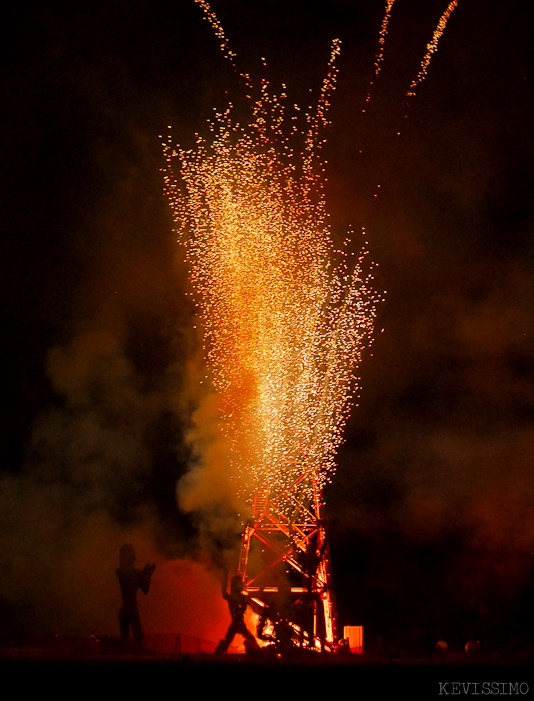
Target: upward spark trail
[
  {"x": 432, "y": 47},
  {"x": 285, "y": 315},
  {"x": 381, "y": 43}
]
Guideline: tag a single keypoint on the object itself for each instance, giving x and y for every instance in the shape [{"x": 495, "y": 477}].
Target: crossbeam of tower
[{"x": 285, "y": 562}]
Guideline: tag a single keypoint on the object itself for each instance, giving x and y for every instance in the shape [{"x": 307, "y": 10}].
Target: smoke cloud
[{"x": 86, "y": 489}]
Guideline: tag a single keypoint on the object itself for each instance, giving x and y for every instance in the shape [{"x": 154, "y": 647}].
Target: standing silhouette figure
[{"x": 130, "y": 580}]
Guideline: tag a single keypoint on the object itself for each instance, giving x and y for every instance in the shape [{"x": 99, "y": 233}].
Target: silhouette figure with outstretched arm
[
  {"x": 237, "y": 603},
  {"x": 130, "y": 580}
]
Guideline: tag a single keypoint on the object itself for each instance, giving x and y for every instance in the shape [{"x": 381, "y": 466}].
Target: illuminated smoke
[{"x": 285, "y": 314}]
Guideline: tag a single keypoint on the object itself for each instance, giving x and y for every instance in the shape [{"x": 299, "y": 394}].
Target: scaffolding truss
[{"x": 285, "y": 564}]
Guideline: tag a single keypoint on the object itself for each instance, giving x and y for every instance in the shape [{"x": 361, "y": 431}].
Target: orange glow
[
  {"x": 285, "y": 313},
  {"x": 185, "y": 598}
]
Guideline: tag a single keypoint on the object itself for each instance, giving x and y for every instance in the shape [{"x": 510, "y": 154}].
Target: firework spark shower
[
  {"x": 431, "y": 508},
  {"x": 285, "y": 313}
]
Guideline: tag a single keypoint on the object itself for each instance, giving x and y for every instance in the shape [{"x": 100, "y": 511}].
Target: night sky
[{"x": 431, "y": 512}]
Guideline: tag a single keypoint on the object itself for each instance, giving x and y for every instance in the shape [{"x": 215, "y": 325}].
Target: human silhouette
[
  {"x": 237, "y": 604},
  {"x": 130, "y": 580}
]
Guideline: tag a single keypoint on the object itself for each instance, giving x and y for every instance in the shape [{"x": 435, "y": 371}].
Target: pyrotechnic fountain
[{"x": 286, "y": 315}]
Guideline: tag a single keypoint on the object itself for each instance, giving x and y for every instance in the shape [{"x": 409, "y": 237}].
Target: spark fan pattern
[{"x": 285, "y": 313}]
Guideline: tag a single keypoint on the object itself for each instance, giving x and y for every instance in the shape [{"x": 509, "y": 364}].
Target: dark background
[{"x": 431, "y": 511}]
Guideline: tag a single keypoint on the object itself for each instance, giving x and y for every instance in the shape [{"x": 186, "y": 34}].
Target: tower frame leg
[{"x": 285, "y": 562}]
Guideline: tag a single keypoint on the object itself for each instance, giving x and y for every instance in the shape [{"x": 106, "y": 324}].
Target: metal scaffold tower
[{"x": 285, "y": 565}]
